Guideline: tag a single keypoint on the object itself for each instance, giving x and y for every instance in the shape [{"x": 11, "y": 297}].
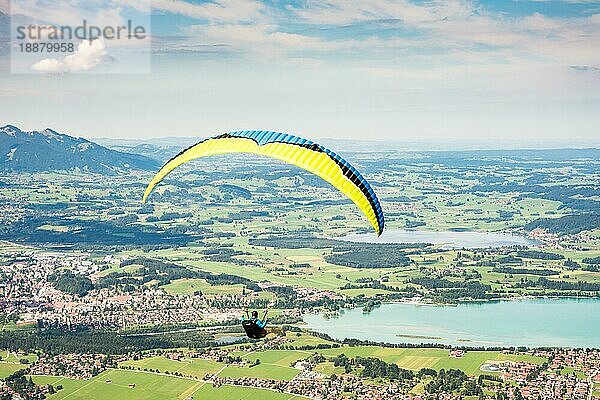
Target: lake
[
  {"x": 229, "y": 339},
  {"x": 448, "y": 239},
  {"x": 530, "y": 322}
]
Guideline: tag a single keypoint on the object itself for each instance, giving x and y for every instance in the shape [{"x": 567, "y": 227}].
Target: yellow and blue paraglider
[{"x": 290, "y": 149}]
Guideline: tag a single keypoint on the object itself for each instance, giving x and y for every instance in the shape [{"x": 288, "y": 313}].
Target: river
[{"x": 531, "y": 322}]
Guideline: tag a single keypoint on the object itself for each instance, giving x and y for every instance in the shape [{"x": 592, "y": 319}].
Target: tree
[{"x": 517, "y": 394}]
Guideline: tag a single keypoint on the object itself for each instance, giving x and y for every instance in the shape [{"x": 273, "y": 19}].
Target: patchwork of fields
[{"x": 153, "y": 377}]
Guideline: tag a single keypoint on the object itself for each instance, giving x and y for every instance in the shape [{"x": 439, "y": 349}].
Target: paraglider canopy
[{"x": 291, "y": 149}]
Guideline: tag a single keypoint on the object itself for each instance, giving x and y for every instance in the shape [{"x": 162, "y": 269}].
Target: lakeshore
[{"x": 564, "y": 322}]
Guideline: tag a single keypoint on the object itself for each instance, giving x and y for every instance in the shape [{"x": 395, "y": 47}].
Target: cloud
[
  {"x": 566, "y": 1},
  {"x": 341, "y": 12},
  {"x": 452, "y": 26},
  {"x": 262, "y": 40},
  {"x": 53, "y": 12},
  {"x": 87, "y": 57},
  {"x": 221, "y": 10},
  {"x": 74, "y": 12},
  {"x": 433, "y": 39},
  {"x": 585, "y": 68}
]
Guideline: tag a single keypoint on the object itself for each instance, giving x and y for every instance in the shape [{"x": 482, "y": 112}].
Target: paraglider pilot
[{"x": 254, "y": 326}]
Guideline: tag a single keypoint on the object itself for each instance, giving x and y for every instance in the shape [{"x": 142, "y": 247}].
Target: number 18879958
[{"x": 40, "y": 47}]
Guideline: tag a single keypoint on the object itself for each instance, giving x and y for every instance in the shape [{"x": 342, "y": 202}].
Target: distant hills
[
  {"x": 48, "y": 150},
  {"x": 161, "y": 149}
]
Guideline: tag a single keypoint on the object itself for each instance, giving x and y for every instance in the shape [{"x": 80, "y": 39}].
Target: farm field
[
  {"x": 415, "y": 359},
  {"x": 115, "y": 384},
  {"x": 264, "y": 371},
  {"x": 157, "y": 386},
  {"x": 69, "y": 385},
  {"x": 274, "y": 365},
  {"x": 7, "y": 369},
  {"x": 196, "y": 368},
  {"x": 190, "y": 286},
  {"x": 226, "y": 392},
  {"x": 10, "y": 362},
  {"x": 11, "y": 356},
  {"x": 277, "y": 357},
  {"x": 302, "y": 339}
]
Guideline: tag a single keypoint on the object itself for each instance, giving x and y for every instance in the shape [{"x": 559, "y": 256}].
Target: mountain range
[{"x": 48, "y": 150}]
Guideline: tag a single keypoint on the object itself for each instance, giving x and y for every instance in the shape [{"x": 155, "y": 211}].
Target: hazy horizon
[
  {"x": 427, "y": 143},
  {"x": 407, "y": 145}
]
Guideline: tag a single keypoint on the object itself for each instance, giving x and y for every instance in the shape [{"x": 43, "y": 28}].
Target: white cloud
[
  {"x": 221, "y": 10},
  {"x": 351, "y": 11},
  {"x": 462, "y": 28},
  {"x": 54, "y": 12},
  {"x": 569, "y": 1},
  {"x": 74, "y": 12},
  {"x": 87, "y": 57},
  {"x": 262, "y": 40},
  {"x": 139, "y": 5}
]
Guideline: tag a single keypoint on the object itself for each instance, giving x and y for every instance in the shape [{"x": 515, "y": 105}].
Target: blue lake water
[
  {"x": 448, "y": 239},
  {"x": 530, "y": 322}
]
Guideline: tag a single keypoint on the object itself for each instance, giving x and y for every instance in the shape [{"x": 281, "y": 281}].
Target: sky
[{"x": 501, "y": 73}]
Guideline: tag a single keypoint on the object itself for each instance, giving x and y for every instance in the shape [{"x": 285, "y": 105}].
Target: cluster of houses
[
  {"x": 570, "y": 374},
  {"x": 27, "y": 294},
  {"x": 75, "y": 366}
]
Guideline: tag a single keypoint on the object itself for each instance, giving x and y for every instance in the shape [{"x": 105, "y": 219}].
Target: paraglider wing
[{"x": 290, "y": 149}]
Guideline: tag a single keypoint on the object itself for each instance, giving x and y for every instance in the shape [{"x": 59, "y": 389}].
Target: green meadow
[
  {"x": 189, "y": 367},
  {"x": 115, "y": 384},
  {"x": 7, "y": 369},
  {"x": 278, "y": 357},
  {"x": 118, "y": 384},
  {"x": 10, "y": 362},
  {"x": 264, "y": 371},
  {"x": 415, "y": 359},
  {"x": 226, "y": 392},
  {"x": 190, "y": 286}
]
